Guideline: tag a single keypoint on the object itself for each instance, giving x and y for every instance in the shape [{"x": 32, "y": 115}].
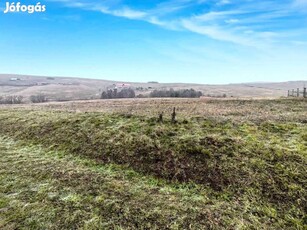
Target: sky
[{"x": 200, "y": 41}]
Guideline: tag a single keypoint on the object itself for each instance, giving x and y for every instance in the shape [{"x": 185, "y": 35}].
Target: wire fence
[{"x": 297, "y": 92}]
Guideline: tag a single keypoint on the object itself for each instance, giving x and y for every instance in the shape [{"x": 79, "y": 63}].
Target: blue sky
[{"x": 201, "y": 41}]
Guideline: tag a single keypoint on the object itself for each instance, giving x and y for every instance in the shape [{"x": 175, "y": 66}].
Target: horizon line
[{"x": 158, "y": 82}]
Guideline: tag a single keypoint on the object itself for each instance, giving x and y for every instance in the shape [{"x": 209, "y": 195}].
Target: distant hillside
[{"x": 64, "y": 88}]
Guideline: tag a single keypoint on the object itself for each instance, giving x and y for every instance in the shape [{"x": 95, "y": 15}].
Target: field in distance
[{"x": 64, "y": 88}]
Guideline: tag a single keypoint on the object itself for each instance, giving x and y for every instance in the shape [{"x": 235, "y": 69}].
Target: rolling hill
[{"x": 68, "y": 88}]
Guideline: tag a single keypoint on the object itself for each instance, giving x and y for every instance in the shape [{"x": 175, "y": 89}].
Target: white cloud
[
  {"x": 129, "y": 13},
  {"x": 216, "y": 32},
  {"x": 215, "y": 15},
  {"x": 249, "y": 23},
  {"x": 232, "y": 20}
]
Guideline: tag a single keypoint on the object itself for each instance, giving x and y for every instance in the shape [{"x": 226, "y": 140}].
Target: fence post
[
  {"x": 288, "y": 93},
  {"x": 174, "y": 115},
  {"x": 305, "y": 93},
  {"x": 298, "y": 92},
  {"x": 292, "y": 92}
]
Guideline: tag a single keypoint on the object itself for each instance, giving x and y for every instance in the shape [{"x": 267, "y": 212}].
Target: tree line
[
  {"x": 14, "y": 99},
  {"x": 183, "y": 93},
  {"x": 130, "y": 93},
  {"x": 114, "y": 93},
  {"x": 18, "y": 99}
]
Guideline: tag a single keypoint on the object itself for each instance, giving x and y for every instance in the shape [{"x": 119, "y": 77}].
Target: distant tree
[
  {"x": 110, "y": 94},
  {"x": 12, "y": 99},
  {"x": 114, "y": 93},
  {"x": 185, "y": 93},
  {"x": 40, "y": 98},
  {"x": 104, "y": 95},
  {"x": 124, "y": 93},
  {"x": 18, "y": 99}
]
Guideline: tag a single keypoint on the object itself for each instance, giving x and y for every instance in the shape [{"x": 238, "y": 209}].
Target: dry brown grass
[{"x": 222, "y": 109}]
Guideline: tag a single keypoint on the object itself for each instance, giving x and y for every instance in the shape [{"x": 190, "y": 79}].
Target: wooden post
[
  {"x": 292, "y": 92},
  {"x": 160, "y": 119},
  {"x": 288, "y": 93},
  {"x": 174, "y": 115},
  {"x": 298, "y": 92},
  {"x": 305, "y": 93}
]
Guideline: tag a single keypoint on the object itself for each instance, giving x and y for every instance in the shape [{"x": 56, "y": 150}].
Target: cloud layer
[{"x": 247, "y": 23}]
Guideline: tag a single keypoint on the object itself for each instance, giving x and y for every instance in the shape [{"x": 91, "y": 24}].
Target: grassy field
[
  {"x": 225, "y": 164},
  {"x": 244, "y": 110}
]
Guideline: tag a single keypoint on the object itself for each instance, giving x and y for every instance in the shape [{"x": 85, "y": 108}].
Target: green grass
[
  {"x": 43, "y": 189},
  {"x": 116, "y": 171}
]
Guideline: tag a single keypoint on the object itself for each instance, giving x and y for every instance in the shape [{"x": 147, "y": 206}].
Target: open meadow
[{"x": 125, "y": 164}]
